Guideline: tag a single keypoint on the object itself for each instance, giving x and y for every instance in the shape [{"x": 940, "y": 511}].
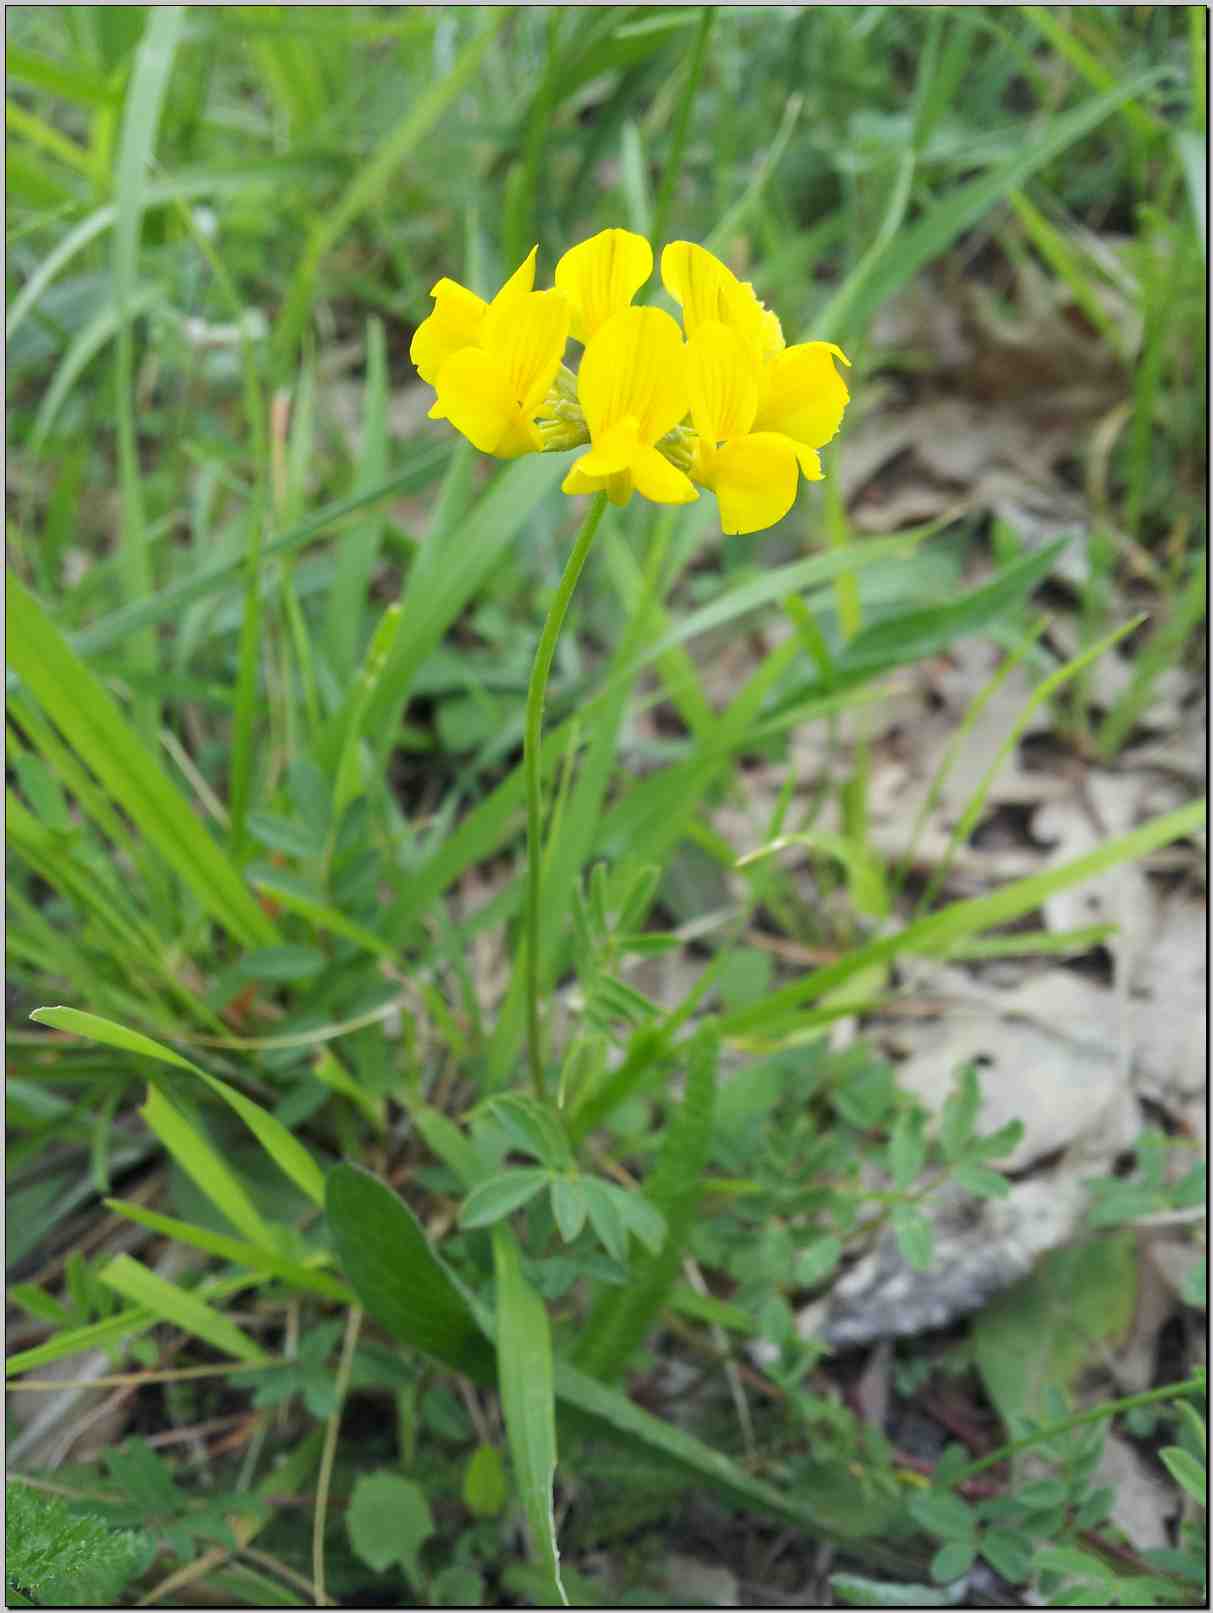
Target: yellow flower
[
  {"x": 632, "y": 387},
  {"x": 732, "y": 405},
  {"x": 601, "y": 276},
  {"x": 492, "y": 392},
  {"x": 459, "y": 316},
  {"x": 760, "y": 421},
  {"x": 493, "y": 364}
]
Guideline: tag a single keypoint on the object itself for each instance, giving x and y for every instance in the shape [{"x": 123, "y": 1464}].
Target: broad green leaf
[
  {"x": 398, "y": 1277},
  {"x": 388, "y": 1520},
  {"x": 1009, "y": 1554},
  {"x": 281, "y": 964},
  {"x": 484, "y": 1483},
  {"x": 1032, "y": 1341},
  {"x": 75, "y": 699},
  {"x": 183, "y": 1309},
  {"x": 524, "y": 1364}
]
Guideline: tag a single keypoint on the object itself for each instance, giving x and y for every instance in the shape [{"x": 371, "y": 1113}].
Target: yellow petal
[
  {"x": 755, "y": 480},
  {"x": 520, "y": 282},
  {"x": 527, "y": 334},
  {"x": 803, "y": 394},
  {"x": 601, "y": 276},
  {"x": 707, "y": 290},
  {"x": 635, "y": 365},
  {"x": 723, "y": 380},
  {"x": 455, "y": 322},
  {"x": 810, "y": 463},
  {"x": 476, "y": 394},
  {"x": 613, "y": 451},
  {"x": 617, "y": 486},
  {"x": 657, "y": 479}
]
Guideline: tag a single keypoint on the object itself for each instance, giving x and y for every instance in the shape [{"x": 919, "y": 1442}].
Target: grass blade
[
  {"x": 199, "y": 1160},
  {"x": 235, "y": 1251},
  {"x": 524, "y": 1362},
  {"x": 178, "y": 1307},
  {"x": 963, "y": 919},
  {"x": 373, "y": 178},
  {"x": 854, "y": 303},
  {"x": 287, "y": 1152},
  {"x": 75, "y": 699}
]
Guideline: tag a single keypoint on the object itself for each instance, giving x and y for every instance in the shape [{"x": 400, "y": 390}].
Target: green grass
[{"x": 270, "y": 638}]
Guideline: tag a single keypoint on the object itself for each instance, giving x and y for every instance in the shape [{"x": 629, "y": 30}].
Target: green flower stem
[
  {"x": 534, "y": 784},
  {"x": 1111, "y": 1408}
]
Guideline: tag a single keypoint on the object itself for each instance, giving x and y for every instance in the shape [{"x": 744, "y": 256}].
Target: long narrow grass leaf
[
  {"x": 82, "y": 708},
  {"x": 524, "y": 1364}
]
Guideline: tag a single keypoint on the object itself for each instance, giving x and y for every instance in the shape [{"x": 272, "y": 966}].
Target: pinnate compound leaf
[
  {"x": 389, "y": 1521},
  {"x": 533, "y": 1128}
]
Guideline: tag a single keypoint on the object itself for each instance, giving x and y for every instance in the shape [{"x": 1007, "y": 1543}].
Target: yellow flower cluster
[{"x": 726, "y": 405}]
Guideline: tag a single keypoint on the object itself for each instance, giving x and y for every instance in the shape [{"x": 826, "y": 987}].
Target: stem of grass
[
  {"x": 1081, "y": 1419},
  {"x": 673, "y": 167},
  {"x": 534, "y": 785}
]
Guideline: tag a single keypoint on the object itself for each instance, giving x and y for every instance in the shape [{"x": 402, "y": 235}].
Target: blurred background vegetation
[{"x": 222, "y": 227}]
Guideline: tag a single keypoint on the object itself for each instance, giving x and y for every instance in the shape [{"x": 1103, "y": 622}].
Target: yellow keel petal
[{"x": 755, "y": 480}]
